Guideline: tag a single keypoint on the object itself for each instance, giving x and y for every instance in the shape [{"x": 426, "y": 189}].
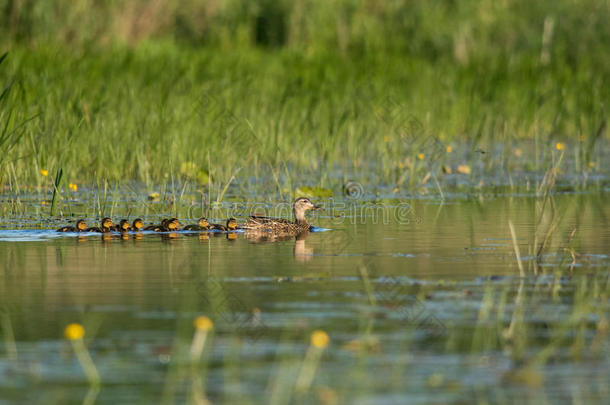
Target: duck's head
[
  {"x": 106, "y": 223},
  {"x": 301, "y": 205},
  {"x": 173, "y": 224},
  {"x": 124, "y": 225},
  {"x": 203, "y": 222},
  {"x": 81, "y": 225},
  {"x": 232, "y": 224},
  {"x": 138, "y": 224}
]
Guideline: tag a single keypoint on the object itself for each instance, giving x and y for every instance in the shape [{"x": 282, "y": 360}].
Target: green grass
[{"x": 172, "y": 103}]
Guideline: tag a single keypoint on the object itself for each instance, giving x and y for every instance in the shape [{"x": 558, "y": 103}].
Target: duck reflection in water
[{"x": 302, "y": 253}]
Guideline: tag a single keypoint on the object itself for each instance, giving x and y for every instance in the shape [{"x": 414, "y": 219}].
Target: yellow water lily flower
[
  {"x": 560, "y": 146},
  {"x": 44, "y": 172},
  {"x": 320, "y": 339},
  {"x": 203, "y": 323},
  {"x": 74, "y": 331}
]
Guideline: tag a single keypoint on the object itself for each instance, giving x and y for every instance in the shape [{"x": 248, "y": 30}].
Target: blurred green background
[{"x": 152, "y": 90}]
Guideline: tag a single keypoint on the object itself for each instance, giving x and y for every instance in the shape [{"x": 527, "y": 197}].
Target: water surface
[{"x": 422, "y": 300}]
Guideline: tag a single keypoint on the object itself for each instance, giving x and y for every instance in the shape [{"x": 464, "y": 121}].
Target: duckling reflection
[{"x": 170, "y": 236}]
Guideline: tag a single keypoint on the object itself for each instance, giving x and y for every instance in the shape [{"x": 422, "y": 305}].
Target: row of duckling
[
  {"x": 166, "y": 225},
  {"x": 271, "y": 226}
]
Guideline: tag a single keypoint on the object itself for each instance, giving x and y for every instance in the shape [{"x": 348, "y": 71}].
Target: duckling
[
  {"x": 80, "y": 227},
  {"x": 106, "y": 226},
  {"x": 282, "y": 227},
  {"x": 157, "y": 228},
  {"x": 137, "y": 225},
  {"x": 123, "y": 226},
  {"x": 167, "y": 225},
  {"x": 231, "y": 225},
  {"x": 173, "y": 224},
  {"x": 202, "y": 225}
]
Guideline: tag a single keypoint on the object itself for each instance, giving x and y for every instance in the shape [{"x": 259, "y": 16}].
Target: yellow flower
[
  {"x": 73, "y": 187},
  {"x": 386, "y": 138},
  {"x": 560, "y": 146},
  {"x": 154, "y": 196},
  {"x": 44, "y": 203},
  {"x": 420, "y": 156},
  {"x": 449, "y": 149},
  {"x": 44, "y": 172},
  {"x": 74, "y": 331},
  {"x": 203, "y": 323},
  {"x": 319, "y": 339}
]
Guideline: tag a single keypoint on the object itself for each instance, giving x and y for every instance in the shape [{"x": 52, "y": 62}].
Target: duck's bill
[{"x": 318, "y": 207}]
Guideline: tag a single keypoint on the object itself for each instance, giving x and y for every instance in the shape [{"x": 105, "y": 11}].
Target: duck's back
[{"x": 274, "y": 225}]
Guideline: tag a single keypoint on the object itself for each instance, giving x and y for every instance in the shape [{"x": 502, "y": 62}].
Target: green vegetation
[{"x": 197, "y": 93}]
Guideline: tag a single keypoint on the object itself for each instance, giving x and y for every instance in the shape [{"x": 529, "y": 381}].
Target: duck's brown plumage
[{"x": 281, "y": 227}]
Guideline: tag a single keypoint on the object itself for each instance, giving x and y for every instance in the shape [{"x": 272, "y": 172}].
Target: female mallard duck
[
  {"x": 201, "y": 225},
  {"x": 231, "y": 225},
  {"x": 80, "y": 227},
  {"x": 137, "y": 225},
  {"x": 283, "y": 227},
  {"x": 105, "y": 226},
  {"x": 123, "y": 226}
]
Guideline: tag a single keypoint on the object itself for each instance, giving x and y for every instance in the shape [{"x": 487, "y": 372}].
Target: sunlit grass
[{"x": 161, "y": 113}]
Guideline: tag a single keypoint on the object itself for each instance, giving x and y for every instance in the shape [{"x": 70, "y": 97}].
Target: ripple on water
[{"x": 31, "y": 235}]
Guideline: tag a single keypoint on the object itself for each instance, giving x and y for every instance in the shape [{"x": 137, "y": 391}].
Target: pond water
[{"x": 422, "y": 301}]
